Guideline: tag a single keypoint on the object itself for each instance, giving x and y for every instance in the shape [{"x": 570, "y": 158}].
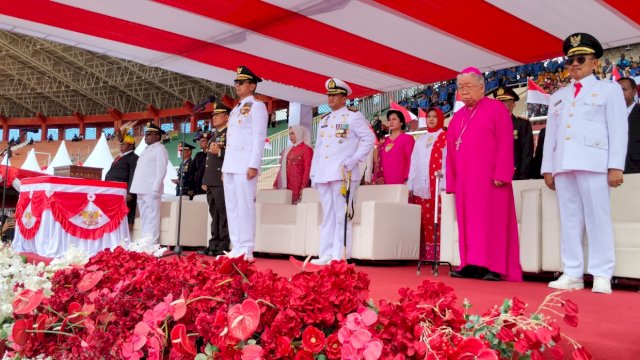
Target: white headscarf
[{"x": 302, "y": 136}]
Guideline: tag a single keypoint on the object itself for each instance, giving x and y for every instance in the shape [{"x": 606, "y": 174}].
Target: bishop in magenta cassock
[{"x": 479, "y": 171}]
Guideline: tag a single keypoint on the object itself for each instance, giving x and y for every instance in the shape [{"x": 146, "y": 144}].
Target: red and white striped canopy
[{"x": 375, "y": 45}]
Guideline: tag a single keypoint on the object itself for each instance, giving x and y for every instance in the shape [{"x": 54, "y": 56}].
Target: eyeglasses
[
  {"x": 578, "y": 59},
  {"x": 240, "y": 82},
  {"x": 466, "y": 88}
]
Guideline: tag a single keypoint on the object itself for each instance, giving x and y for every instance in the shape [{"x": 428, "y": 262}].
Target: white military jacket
[
  {"x": 586, "y": 133},
  {"x": 342, "y": 135},
  {"x": 246, "y": 134},
  {"x": 150, "y": 170}
]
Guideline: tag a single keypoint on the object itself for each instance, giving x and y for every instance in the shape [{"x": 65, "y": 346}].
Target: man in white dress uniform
[
  {"x": 344, "y": 139},
  {"x": 246, "y": 134},
  {"x": 584, "y": 154},
  {"x": 148, "y": 181}
]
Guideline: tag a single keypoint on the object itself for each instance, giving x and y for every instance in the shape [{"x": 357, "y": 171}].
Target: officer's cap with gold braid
[
  {"x": 185, "y": 145},
  {"x": 243, "y": 73},
  {"x": 582, "y": 44},
  {"x": 151, "y": 127},
  {"x": 504, "y": 93},
  {"x": 219, "y": 109},
  {"x": 336, "y": 87}
]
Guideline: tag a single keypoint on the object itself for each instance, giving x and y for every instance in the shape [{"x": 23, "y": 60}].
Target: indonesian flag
[
  {"x": 615, "y": 74},
  {"x": 535, "y": 94},
  {"x": 422, "y": 119},
  {"x": 408, "y": 115},
  {"x": 459, "y": 104}
]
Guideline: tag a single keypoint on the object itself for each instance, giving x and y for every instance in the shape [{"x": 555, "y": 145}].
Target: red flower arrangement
[{"x": 125, "y": 305}]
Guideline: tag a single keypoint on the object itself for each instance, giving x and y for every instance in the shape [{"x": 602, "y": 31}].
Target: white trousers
[
  {"x": 240, "y": 199},
  {"x": 149, "y": 206},
  {"x": 333, "y": 211},
  {"x": 584, "y": 200}
]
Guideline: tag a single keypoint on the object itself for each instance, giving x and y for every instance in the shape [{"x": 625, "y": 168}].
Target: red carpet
[{"x": 608, "y": 324}]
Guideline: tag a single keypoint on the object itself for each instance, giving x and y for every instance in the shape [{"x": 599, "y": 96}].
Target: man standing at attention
[
  {"x": 122, "y": 169},
  {"x": 522, "y": 134},
  {"x": 247, "y": 131},
  {"x": 632, "y": 164},
  {"x": 344, "y": 139},
  {"x": 479, "y": 173},
  {"x": 148, "y": 181},
  {"x": 212, "y": 183},
  {"x": 584, "y": 155}
]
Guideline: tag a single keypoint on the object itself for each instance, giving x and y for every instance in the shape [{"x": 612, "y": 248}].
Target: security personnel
[
  {"x": 148, "y": 181},
  {"x": 344, "y": 139},
  {"x": 122, "y": 169},
  {"x": 584, "y": 154},
  {"x": 522, "y": 134},
  {"x": 246, "y": 134},
  {"x": 632, "y": 164},
  {"x": 199, "y": 163},
  {"x": 212, "y": 183},
  {"x": 186, "y": 169}
]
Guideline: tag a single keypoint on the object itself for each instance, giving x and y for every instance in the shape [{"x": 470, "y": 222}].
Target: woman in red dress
[
  {"x": 295, "y": 163},
  {"x": 427, "y": 158}
]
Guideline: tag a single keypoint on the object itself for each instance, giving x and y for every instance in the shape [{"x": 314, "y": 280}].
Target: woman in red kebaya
[{"x": 295, "y": 163}]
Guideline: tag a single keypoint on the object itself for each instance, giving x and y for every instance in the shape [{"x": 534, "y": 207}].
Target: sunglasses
[
  {"x": 240, "y": 82},
  {"x": 577, "y": 59}
]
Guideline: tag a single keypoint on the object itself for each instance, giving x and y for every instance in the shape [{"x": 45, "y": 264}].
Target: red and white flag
[
  {"x": 615, "y": 74},
  {"x": 535, "y": 94},
  {"x": 408, "y": 115},
  {"x": 459, "y": 104},
  {"x": 422, "y": 119}
]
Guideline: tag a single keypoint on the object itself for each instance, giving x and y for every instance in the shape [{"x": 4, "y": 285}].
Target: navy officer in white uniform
[
  {"x": 246, "y": 134},
  {"x": 344, "y": 138},
  {"x": 584, "y": 154}
]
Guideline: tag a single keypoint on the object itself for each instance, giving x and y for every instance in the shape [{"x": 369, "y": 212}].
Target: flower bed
[{"x": 127, "y": 305}]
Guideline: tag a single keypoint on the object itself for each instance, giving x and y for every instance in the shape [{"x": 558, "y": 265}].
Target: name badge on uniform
[
  {"x": 342, "y": 130},
  {"x": 557, "y": 102}
]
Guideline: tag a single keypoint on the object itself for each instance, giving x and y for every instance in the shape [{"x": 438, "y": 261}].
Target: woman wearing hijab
[
  {"x": 394, "y": 152},
  {"x": 295, "y": 163},
  {"x": 427, "y": 158}
]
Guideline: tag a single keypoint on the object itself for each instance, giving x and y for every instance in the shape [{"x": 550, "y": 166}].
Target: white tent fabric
[
  {"x": 376, "y": 46},
  {"x": 101, "y": 156},
  {"x": 60, "y": 159},
  {"x": 31, "y": 163}
]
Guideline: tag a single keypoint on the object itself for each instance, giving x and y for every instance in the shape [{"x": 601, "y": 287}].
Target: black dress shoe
[
  {"x": 469, "y": 271},
  {"x": 204, "y": 251},
  {"x": 492, "y": 276}
]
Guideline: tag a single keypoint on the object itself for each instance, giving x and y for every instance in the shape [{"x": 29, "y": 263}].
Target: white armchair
[
  {"x": 193, "y": 223},
  {"x": 526, "y": 194},
  {"x": 203, "y": 198},
  {"x": 626, "y": 227},
  {"x": 385, "y": 225},
  {"x": 277, "y": 224}
]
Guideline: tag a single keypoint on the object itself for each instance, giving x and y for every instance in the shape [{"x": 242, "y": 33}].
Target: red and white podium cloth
[{"x": 54, "y": 213}]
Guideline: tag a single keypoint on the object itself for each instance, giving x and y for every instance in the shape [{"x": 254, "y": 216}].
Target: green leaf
[
  {"x": 321, "y": 357},
  {"x": 210, "y": 349},
  {"x": 506, "y": 306},
  {"x": 201, "y": 356}
]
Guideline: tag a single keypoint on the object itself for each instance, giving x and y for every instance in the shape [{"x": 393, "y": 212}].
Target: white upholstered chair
[{"x": 277, "y": 229}]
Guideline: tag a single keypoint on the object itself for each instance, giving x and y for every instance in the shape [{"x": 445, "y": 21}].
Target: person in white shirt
[
  {"x": 344, "y": 139},
  {"x": 584, "y": 154},
  {"x": 246, "y": 134},
  {"x": 148, "y": 182}
]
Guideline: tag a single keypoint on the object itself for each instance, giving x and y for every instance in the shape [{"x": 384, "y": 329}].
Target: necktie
[
  {"x": 117, "y": 158},
  {"x": 578, "y": 86}
]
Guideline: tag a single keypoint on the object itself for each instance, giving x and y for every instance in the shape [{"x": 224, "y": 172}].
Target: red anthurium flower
[
  {"x": 179, "y": 308},
  {"x": 243, "y": 319},
  {"x": 571, "y": 320},
  {"x": 313, "y": 339},
  {"x": 181, "y": 341},
  {"x": 41, "y": 324},
  {"x": 569, "y": 307},
  {"x": 581, "y": 353},
  {"x": 252, "y": 352},
  {"x": 89, "y": 280},
  {"x": 26, "y": 301},
  {"x": 19, "y": 331}
]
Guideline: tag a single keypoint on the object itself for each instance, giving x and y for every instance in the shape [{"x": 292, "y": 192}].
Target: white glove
[{"x": 350, "y": 164}]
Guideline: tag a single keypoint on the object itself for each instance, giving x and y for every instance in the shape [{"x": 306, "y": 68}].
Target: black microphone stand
[{"x": 7, "y": 153}]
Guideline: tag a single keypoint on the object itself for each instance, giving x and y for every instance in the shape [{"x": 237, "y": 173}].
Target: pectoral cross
[{"x": 458, "y": 142}]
